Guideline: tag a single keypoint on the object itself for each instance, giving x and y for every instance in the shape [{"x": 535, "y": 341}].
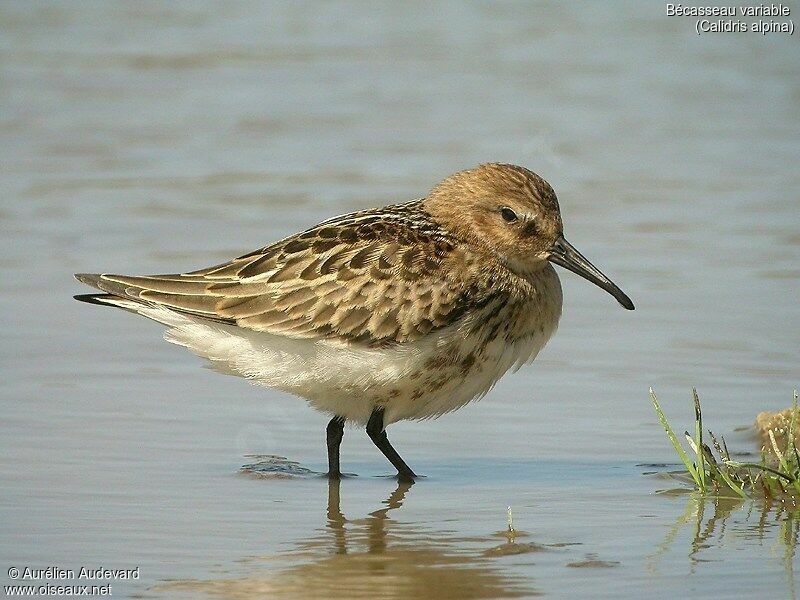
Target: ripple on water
[{"x": 271, "y": 466}]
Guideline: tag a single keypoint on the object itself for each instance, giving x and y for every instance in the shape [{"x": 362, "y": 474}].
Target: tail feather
[
  {"x": 93, "y": 298},
  {"x": 110, "y": 300}
]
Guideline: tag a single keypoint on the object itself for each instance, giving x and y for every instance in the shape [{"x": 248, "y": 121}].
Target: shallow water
[{"x": 153, "y": 138}]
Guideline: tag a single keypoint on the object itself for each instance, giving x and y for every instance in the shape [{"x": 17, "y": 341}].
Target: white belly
[{"x": 436, "y": 375}]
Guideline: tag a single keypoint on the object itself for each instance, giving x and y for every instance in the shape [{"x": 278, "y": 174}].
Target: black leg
[
  {"x": 335, "y": 433},
  {"x": 377, "y": 434}
]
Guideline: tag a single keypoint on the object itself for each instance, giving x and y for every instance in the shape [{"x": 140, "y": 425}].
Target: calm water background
[{"x": 155, "y": 137}]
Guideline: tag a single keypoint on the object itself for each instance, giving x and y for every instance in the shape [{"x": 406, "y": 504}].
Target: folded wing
[{"x": 375, "y": 277}]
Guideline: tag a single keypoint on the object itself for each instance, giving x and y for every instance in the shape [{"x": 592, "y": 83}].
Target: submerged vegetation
[{"x": 775, "y": 477}]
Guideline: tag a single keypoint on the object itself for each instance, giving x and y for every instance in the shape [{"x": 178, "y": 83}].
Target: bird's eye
[{"x": 508, "y": 215}]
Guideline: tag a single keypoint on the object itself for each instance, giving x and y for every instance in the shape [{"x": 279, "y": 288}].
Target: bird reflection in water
[{"x": 372, "y": 557}]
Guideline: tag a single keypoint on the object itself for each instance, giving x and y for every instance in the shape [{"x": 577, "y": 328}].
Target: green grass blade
[
  {"x": 698, "y": 434},
  {"x": 738, "y": 489},
  {"x": 748, "y": 465},
  {"x": 784, "y": 463},
  {"x": 674, "y": 439}
]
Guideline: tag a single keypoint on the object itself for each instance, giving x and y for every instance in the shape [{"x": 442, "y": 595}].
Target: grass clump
[{"x": 776, "y": 475}]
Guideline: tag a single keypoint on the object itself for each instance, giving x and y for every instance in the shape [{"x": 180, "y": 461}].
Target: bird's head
[{"x": 513, "y": 214}]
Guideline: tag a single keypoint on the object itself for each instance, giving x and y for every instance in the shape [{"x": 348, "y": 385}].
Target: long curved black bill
[{"x": 564, "y": 254}]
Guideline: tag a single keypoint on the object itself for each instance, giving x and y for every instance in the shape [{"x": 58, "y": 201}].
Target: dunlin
[{"x": 408, "y": 311}]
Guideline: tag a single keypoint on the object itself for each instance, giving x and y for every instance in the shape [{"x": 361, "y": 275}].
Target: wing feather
[{"x": 377, "y": 277}]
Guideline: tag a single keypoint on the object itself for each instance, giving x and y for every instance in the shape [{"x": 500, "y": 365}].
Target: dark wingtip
[{"x": 92, "y": 298}]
